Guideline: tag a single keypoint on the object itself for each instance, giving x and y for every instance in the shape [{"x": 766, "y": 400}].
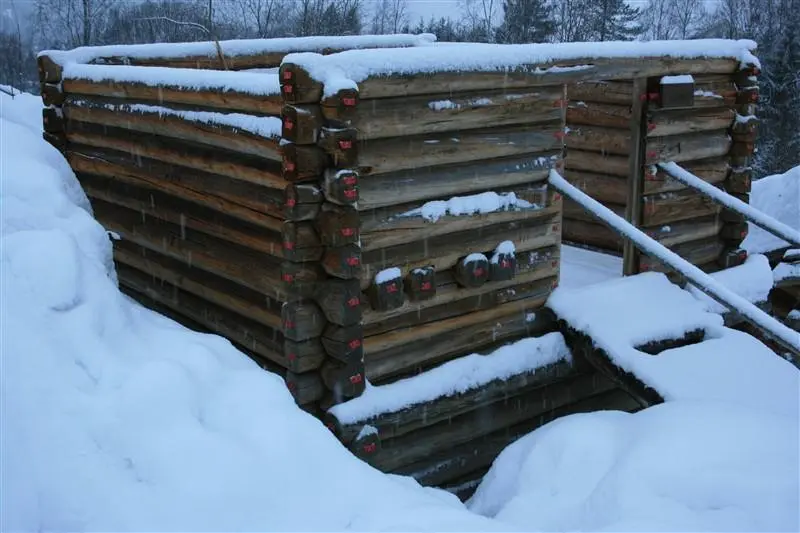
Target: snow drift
[{"x": 779, "y": 197}]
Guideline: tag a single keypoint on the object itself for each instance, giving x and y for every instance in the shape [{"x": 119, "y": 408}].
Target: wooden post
[{"x": 633, "y": 206}]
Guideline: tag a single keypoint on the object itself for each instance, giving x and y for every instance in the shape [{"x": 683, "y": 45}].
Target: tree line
[{"x": 773, "y": 24}]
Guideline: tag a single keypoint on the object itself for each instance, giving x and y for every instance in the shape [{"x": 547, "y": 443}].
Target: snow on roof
[
  {"x": 675, "y": 80},
  {"x": 455, "y": 377},
  {"x": 180, "y": 78},
  {"x": 238, "y": 47},
  {"x": 347, "y": 69}
]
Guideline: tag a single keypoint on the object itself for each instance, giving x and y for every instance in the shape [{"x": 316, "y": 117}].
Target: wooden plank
[
  {"x": 697, "y": 252},
  {"x": 666, "y": 208},
  {"x": 160, "y": 149},
  {"x": 150, "y": 202},
  {"x": 243, "y": 200},
  {"x": 401, "y": 422},
  {"x": 574, "y": 211},
  {"x": 598, "y": 139},
  {"x": 411, "y": 448},
  {"x": 460, "y": 111},
  {"x": 661, "y": 123},
  {"x": 121, "y": 114},
  {"x": 444, "y": 251},
  {"x": 687, "y": 147},
  {"x": 429, "y": 183},
  {"x": 683, "y": 231},
  {"x": 596, "y": 162},
  {"x": 633, "y": 199},
  {"x": 593, "y": 234},
  {"x": 452, "y": 301},
  {"x": 380, "y": 156},
  {"x": 600, "y": 115},
  {"x": 601, "y": 92},
  {"x": 714, "y": 170},
  {"x": 402, "y": 351},
  {"x": 228, "y": 100}
]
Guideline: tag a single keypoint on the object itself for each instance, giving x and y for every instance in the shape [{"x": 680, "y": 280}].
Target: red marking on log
[
  {"x": 353, "y": 344},
  {"x": 292, "y": 356},
  {"x": 288, "y": 89},
  {"x": 556, "y": 197},
  {"x": 479, "y": 271},
  {"x": 291, "y": 385},
  {"x": 351, "y": 194},
  {"x": 392, "y": 287},
  {"x": 331, "y": 426},
  {"x": 288, "y": 124},
  {"x": 288, "y": 165},
  {"x": 348, "y": 232},
  {"x": 288, "y": 245},
  {"x": 288, "y": 278},
  {"x": 352, "y": 261},
  {"x": 652, "y": 154},
  {"x": 356, "y": 379},
  {"x": 651, "y": 126},
  {"x": 559, "y": 135},
  {"x": 560, "y": 103},
  {"x": 653, "y": 96},
  {"x": 353, "y": 302},
  {"x": 349, "y": 101},
  {"x": 291, "y": 202},
  {"x": 426, "y": 286},
  {"x": 287, "y": 74},
  {"x": 288, "y": 324},
  {"x": 554, "y": 263},
  {"x": 350, "y": 180},
  {"x": 370, "y": 448},
  {"x": 345, "y": 145},
  {"x": 554, "y": 284}
]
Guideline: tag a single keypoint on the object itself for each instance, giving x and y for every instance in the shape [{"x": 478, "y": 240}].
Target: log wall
[{"x": 712, "y": 138}]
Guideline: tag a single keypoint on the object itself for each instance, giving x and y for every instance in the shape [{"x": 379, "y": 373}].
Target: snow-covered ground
[
  {"x": 779, "y": 197},
  {"x": 115, "y": 418}
]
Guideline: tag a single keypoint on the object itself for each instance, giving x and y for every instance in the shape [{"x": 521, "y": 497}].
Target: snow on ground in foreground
[
  {"x": 580, "y": 267},
  {"x": 115, "y": 418},
  {"x": 751, "y": 280},
  {"x": 779, "y": 197},
  {"x": 679, "y": 466}
]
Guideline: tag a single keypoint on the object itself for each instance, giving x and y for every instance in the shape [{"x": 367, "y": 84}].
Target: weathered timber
[
  {"x": 575, "y": 211},
  {"x": 507, "y": 412},
  {"x": 365, "y": 445},
  {"x": 713, "y": 170},
  {"x": 587, "y": 161},
  {"x": 56, "y": 140},
  {"x": 633, "y": 198},
  {"x": 301, "y": 242},
  {"x": 745, "y": 128},
  {"x": 734, "y": 233},
  {"x": 338, "y": 226},
  {"x": 255, "y": 270},
  {"x": 676, "y": 95},
  {"x": 49, "y": 70},
  {"x": 344, "y": 343},
  {"x": 52, "y": 94},
  {"x": 655, "y": 347},
  {"x": 297, "y": 85},
  {"x": 478, "y": 454},
  {"x": 599, "y": 115},
  {"x": 239, "y": 329},
  {"x": 739, "y": 181},
  {"x": 227, "y": 100},
  {"x": 598, "y": 139},
  {"x": 302, "y": 162},
  {"x": 682, "y": 121},
  {"x": 401, "y": 351},
  {"x": 601, "y": 92},
  {"x": 343, "y": 262},
  {"x": 380, "y": 156},
  {"x": 687, "y": 147},
  {"x": 420, "y": 284},
  {"x": 444, "y": 251},
  {"x": 301, "y": 124},
  {"x": 302, "y": 320},
  {"x": 682, "y": 231},
  {"x": 428, "y": 183},
  {"x": 342, "y": 101},
  {"x": 503, "y": 266},
  {"x": 732, "y": 257},
  {"x": 126, "y": 115},
  {"x": 53, "y": 119},
  {"x": 340, "y": 301},
  {"x": 345, "y": 380},
  {"x": 536, "y": 75},
  {"x": 742, "y": 149},
  {"x": 239, "y": 199},
  {"x": 417, "y": 115},
  {"x": 595, "y": 234},
  {"x": 341, "y": 145},
  {"x": 265, "y": 173},
  {"x": 302, "y": 201},
  {"x": 394, "y": 424},
  {"x": 696, "y": 252},
  {"x": 173, "y": 209},
  {"x": 671, "y": 207},
  {"x": 341, "y": 187},
  {"x": 472, "y": 271},
  {"x": 748, "y": 95},
  {"x": 305, "y": 388},
  {"x": 300, "y": 279},
  {"x": 386, "y": 294}
]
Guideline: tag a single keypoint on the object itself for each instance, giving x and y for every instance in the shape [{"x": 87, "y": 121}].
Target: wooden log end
[
  {"x": 341, "y": 145},
  {"x": 52, "y": 95},
  {"x": 367, "y": 443},
  {"x": 340, "y": 106},
  {"x": 301, "y": 242},
  {"x": 57, "y": 140},
  {"x": 302, "y": 162},
  {"x": 340, "y": 301},
  {"x": 303, "y": 356},
  {"x": 732, "y": 257},
  {"x": 300, "y": 124},
  {"x": 734, "y": 233},
  {"x": 302, "y": 201},
  {"x": 739, "y": 182},
  {"x": 302, "y": 320},
  {"x": 297, "y": 85},
  {"x": 503, "y": 265},
  {"x": 748, "y": 95},
  {"x": 53, "y": 120},
  {"x": 344, "y": 343},
  {"x": 472, "y": 270},
  {"x": 420, "y": 284},
  {"x": 343, "y": 262},
  {"x": 49, "y": 70},
  {"x": 305, "y": 388},
  {"x": 300, "y": 280},
  {"x": 344, "y": 380},
  {"x": 338, "y": 226},
  {"x": 341, "y": 187},
  {"x": 386, "y": 292}
]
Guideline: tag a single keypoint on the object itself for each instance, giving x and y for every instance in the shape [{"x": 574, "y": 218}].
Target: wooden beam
[
  {"x": 633, "y": 202},
  {"x": 661, "y": 123},
  {"x": 667, "y": 208},
  {"x": 599, "y": 115},
  {"x": 586, "y": 161},
  {"x": 598, "y": 139},
  {"x": 687, "y": 147}
]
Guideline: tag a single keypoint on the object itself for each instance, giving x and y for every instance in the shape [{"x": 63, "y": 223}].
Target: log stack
[{"x": 711, "y": 134}]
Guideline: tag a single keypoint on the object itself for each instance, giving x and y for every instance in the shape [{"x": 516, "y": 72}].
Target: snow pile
[
  {"x": 751, "y": 280},
  {"x": 115, "y": 418},
  {"x": 388, "y": 274},
  {"x": 262, "y": 126},
  {"x": 178, "y": 78},
  {"x": 682, "y": 466},
  {"x": 677, "y": 80},
  {"x": 779, "y": 197},
  {"x": 455, "y": 377},
  {"x": 238, "y": 47},
  {"x": 581, "y": 267},
  {"x": 482, "y": 203},
  {"x": 346, "y": 69}
]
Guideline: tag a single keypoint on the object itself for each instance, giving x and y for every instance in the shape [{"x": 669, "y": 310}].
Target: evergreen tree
[
  {"x": 614, "y": 20},
  {"x": 526, "y": 21}
]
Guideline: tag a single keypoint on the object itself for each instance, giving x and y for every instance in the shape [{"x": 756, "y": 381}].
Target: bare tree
[
  {"x": 572, "y": 20},
  {"x": 480, "y": 18},
  {"x": 685, "y": 17},
  {"x": 70, "y": 23},
  {"x": 388, "y": 16},
  {"x": 657, "y": 20}
]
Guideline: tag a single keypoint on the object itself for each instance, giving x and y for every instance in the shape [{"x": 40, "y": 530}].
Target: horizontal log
[
  {"x": 596, "y": 162},
  {"x": 598, "y": 115},
  {"x": 739, "y": 181},
  {"x": 444, "y": 251},
  {"x": 404, "y": 450},
  {"x": 593, "y": 234},
  {"x": 439, "y": 468},
  {"x": 450, "y": 300},
  {"x": 459, "y": 111},
  {"x": 575, "y": 211},
  {"x": 341, "y": 187},
  {"x": 305, "y": 388},
  {"x": 345, "y": 380},
  {"x": 601, "y": 92},
  {"x": 696, "y": 252},
  {"x": 173, "y": 209},
  {"x": 402, "y": 351},
  {"x": 264, "y": 173},
  {"x": 667, "y": 208},
  {"x": 301, "y": 124},
  {"x": 257, "y": 271},
  {"x": 340, "y": 301},
  {"x": 428, "y": 183},
  {"x": 56, "y": 140},
  {"x": 302, "y": 201},
  {"x": 228, "y": 100},
  {"x": 344, "y": 343},
  {"x": 302, "y": 162},
  {"x": 343, "y": 262},
  {"x": 245, "y": 201},
  {"x": 688, "y": 147},
  {"x": 396, "y": 423},
  {"x": 301, "y": 242},
  {"x": 53, "y": 120},
  {"x": 598, "y": 139},
  {"x": 134, "y": 116},
  {"x": 52, "y": 94},
  {"x": 684, "y": 121},
  {"x": 301, "y": 279},
  {"x": 338, "y": 226},
  {"x": 49, "y": 70},
  {"x": 683, "y": 231},
  {"x": 302, "y": 320}
]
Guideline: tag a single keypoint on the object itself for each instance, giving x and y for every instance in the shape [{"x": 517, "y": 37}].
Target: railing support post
[{"x": 633, "y": 205}]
